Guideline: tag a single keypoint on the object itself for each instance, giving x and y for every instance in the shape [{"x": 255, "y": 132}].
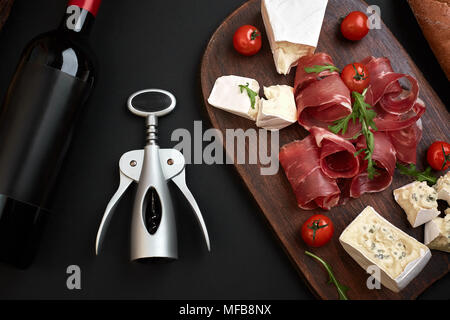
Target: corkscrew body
[{"x": 153, "y": 224}]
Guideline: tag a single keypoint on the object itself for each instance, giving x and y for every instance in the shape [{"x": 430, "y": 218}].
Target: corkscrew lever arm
[
  {"x": 180, "y": 181},
  {"x": 130, "y": 165},
  {"x": 125, "y": 182},
  {"x": 173, "y": 166}
]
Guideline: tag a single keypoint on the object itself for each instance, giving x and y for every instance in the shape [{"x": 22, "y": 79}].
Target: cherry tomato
[
  {"x": 438, "y": 155},
  {"x": 317, "y": 230},
  {"x": 247, "y": 40},
  {"x": 354, "y": 26},
  {"x": 356, "y": 77}
]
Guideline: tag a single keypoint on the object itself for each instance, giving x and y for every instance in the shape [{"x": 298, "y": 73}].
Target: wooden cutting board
[
  {"x": 5, "y": 9},
  {"x": 273, "y": 193}
]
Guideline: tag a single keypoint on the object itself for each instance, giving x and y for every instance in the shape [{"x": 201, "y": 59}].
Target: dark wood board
[
  {"x": 5, "y": 9},
  {"x": 273, "y": 194}
]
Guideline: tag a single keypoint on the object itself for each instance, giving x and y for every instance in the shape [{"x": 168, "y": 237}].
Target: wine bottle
[{"x": 53, "y": 80}]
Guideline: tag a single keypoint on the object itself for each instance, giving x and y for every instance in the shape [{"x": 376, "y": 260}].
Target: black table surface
[{"x": 144, "y": 44}]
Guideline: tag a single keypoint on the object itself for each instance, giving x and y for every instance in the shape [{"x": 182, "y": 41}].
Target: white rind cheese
[
  {"x": 279, "y": 110},
  {"x": 443, "y": 187},
  {"x": 437, "y": 233},
  {"x": 293, "y": 28},
  {"x": 227, "y": 95},
  {"x": 419, "y": 201},
  {"x": 372, "y": 240}
]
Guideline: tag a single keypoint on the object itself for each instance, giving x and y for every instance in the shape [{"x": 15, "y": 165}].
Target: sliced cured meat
[
  {"x": 337, "y": 155},
  {"x": 344, "y": 185},
  {"x": 318, "y": 188},
  {"x": 323, "y": 102},
  {"x": 380, "y": 66},
  {"x": 385, "y": 87},
  {"x": 322, "y": 168},
  {"x": 384, "y": 155},
  {"x": 299, "y": 158},
  {"x": 303, "y": 79},
  {"x": 391, "y": 122},
  {"x": 387, "y": 122},
  {"x": 362, "y": 184},
  {"x": 399, "y": 103},
  {"x": 405, "y": 142},
  {"x": 312, "y": 188}
]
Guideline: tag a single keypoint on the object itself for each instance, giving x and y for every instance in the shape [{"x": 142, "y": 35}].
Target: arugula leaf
[
  {"x": 341, "y": 125},
  {"x": 319, "y": 69},
  {"x": 364, "y": 113},
  {"x": 342, "y": 290},
  {"x": 419, "y": 176},
  {"x": 251, "y": 94}
]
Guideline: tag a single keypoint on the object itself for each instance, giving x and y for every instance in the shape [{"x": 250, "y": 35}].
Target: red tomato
[
  {"x": 354, "y": 26},
  {"x": 247, "y": 40},
  {"x": 317, "y": 230},
  {"x": 356, "y": 77},
  {"x": 438, "y": 155}
]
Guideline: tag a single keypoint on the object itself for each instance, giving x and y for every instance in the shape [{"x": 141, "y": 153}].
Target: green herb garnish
[
  {"x": 251, "y": 94},
  {"x": 365, "y": 115},
  {"x": 315, "y": 226},
  {"x": 319, "y": 69},
  {"x": 255, "y": 34},
  {"x": 412, "y": 171},
  {"x": 342, "y": 290},
  {"x": 359, "y": 76}
]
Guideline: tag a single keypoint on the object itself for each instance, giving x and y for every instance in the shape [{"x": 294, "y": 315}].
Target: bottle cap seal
[{"x": 90, "y": 5}]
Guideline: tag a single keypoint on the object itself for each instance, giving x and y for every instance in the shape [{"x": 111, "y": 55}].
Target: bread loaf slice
[{"x": 434, "y": 19}]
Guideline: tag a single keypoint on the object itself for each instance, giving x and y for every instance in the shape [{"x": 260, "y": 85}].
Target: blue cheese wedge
[
  {"x": 437, "y": 233},
  {"x": 443, "y": 188},
  {"x": 227, "y": 95},
  {"x": 279, "y": 110},
  {"x": 293, "y": 28},
  {"x": 372, "y": 240},
  {"x": 419, "y": 201}
]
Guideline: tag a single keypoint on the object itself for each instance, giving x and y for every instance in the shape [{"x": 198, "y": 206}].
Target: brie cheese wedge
[
  {"x": 418, "y": 200},
  {"x": 279, "y": 110},
  {"x": 226, "y": 95},
  {"x": 443, "y": 187},
  {"x": 372, "y": 240},
  {"x": 437, "y": 234},
  {"x": 293, "y": 28}
]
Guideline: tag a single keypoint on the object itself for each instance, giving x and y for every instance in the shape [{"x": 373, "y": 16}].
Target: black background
[{"x": 142, "y": 44}]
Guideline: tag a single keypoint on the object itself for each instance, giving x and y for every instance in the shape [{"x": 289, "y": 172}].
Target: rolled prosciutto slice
[
  {"x": 379, "y": 66},
  {"x": 385, "y": 88},
  {"x": 323, "y": 102},
  {"x": 391, "y": 122},
  {"x": 303, "y": 79},
  {"x": 336, "y": 155},
  {"x": 384, "y": 155},
  {"x": 405, "y": 142},
  {"x": 388, "y": 122},
  {"x": 312, "y": 188}
]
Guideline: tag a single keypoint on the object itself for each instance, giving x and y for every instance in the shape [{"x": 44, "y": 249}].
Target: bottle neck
[{"x": 79, "y": 17}]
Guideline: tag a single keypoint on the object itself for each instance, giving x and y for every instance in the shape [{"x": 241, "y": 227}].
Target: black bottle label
[{"x": 36, "y": 123}]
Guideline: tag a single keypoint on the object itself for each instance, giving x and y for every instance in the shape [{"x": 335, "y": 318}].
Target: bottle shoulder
[{"x": 71, "y": 54}]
